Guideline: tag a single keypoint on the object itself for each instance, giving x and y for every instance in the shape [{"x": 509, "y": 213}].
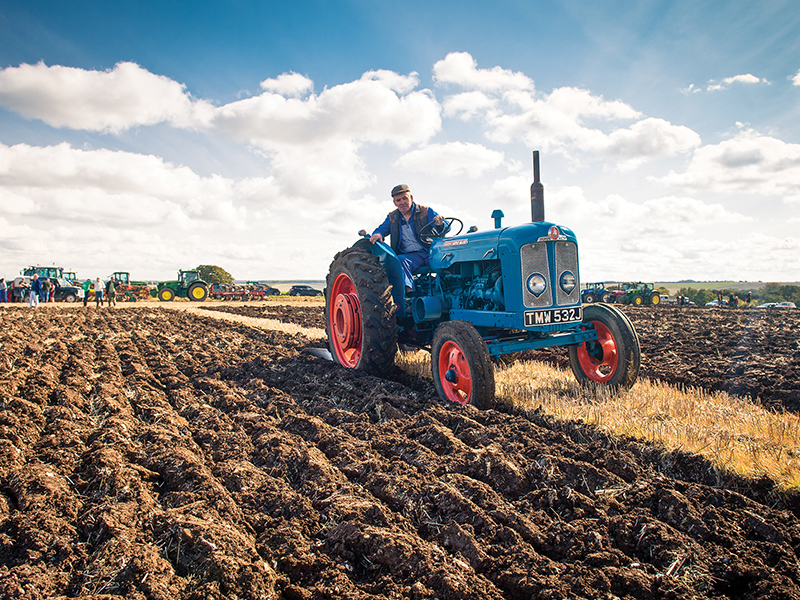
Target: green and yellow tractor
[
  {"x": 641, "y": 294},
  {"x": 189, "y": 285}
]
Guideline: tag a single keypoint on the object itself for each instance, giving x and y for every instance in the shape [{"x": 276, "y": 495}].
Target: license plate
[{"x": 553, "y": 316}]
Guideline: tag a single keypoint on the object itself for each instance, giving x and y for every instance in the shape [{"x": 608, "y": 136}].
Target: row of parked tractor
[
  {"x": 66, "y": 287},
  {"x": 635, "y": 293}
]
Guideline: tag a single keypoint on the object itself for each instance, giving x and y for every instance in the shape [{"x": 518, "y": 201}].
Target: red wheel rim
[
  {"x": 599, "y": 363},
  {"x": 454, "y": 373},
  {"x": 345, "y": 321}
]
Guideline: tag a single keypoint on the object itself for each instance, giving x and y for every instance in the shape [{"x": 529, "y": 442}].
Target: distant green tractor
[
  {"x": 189, "y": 285},
  {"x": 639, "y": 294}
]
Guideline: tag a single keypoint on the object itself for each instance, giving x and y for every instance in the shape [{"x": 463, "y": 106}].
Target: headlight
[
  {"x": 568, "y": 281},
  {"x": 537, "y": 284}
]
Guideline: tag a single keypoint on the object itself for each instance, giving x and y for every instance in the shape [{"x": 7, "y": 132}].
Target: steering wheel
[{"x": 428, "y": 234}]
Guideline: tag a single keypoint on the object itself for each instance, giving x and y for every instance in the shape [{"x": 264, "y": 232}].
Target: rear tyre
[
  {"x": 615, "y": 357},
  {"x": 607, "y": 298},
  {"x": 166, "y": 294},
  {"x": 359, "y": 313},
  {"x": 198, "y": 292},
  {"x": 461, "y": 365}
]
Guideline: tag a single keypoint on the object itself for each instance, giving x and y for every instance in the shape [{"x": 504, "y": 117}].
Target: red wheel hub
[
  {"x": 454, "y": 373},
  {"x": 345, "y": 321},
  {"x": 599, "y": 360}
]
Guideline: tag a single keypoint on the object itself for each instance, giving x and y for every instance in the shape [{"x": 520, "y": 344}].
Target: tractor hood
[{"x": 487, "y": 245}]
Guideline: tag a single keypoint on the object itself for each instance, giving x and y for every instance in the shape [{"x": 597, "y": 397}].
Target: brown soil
[{"x": 152, "y": 453}]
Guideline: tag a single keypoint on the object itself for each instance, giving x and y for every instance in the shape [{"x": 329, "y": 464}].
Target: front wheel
[
  {"x": 70, "y": 298},
  {"x": 614, "y": 358},
  {"x": 655, "y": 299},
  {"x": 166, "y": 294},
  {"x": 607, "y": 298},
  {"x": 462, "y": 369},
  {"x": 588, "y": 298},
  {"x": 359, "y": 313}
]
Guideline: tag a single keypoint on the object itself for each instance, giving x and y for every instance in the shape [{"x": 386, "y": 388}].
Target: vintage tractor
[
  {"x": 189, "y": 285},
  {"x": 484, "y": 295},
  {"x": 639, "y": 294}
]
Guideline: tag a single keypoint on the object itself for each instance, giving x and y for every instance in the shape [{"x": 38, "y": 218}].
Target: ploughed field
[{"x": 147, "y": 452}]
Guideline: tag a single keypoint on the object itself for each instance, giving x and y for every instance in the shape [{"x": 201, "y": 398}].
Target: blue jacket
[
  {"x": 420, "y": 217},
  {"x": 36, "y": 286}
]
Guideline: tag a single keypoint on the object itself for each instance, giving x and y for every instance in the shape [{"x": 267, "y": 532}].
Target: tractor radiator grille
[
  {"x": 567, "y": 260},
  {"x": 535, "y": 259}
]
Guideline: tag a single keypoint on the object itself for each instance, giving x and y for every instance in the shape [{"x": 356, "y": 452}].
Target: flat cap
[{"x": 399, "y": 189}]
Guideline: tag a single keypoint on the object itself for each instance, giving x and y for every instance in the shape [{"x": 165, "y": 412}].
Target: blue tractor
[{"x": 484, "y": 295}]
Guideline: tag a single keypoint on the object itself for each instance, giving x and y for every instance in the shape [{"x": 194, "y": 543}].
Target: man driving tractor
[{"x": 403, "y": 225}]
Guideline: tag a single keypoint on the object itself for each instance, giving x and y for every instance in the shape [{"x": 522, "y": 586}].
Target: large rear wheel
[
  {"x": 197, "y": 292},
  {"x": 462, "y": 369},
  {"x": 615, "y": 357},
  {"x": 655, "y": 299},
  {"x": 359, "y": 313}
]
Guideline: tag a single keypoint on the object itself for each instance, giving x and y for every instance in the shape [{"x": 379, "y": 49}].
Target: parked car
[
  {"x": 786, "y": 305},
  {"x": 714, "y": 303},
  {"x": 303, "y": 290},
  {"x": 767, "y": 305}
]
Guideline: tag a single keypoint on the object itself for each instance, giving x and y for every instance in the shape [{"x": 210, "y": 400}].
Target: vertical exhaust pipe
[{"x": 537, "y": 192}]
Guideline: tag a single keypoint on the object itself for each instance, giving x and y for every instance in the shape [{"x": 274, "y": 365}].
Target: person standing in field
[
  {"x": 111, "y": 292},
  {"x": 98, "y": 293},
  {"x": 3, "y": 290},
  {"x": 36, "y": 289},
  {"x": 87, "y": 285},
  {"x": 45, "y": 283}
]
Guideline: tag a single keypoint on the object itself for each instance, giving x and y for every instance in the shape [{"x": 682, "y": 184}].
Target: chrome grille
[
  {"x": 567, "y": 260},
  {"x": 533, "y": 258}
]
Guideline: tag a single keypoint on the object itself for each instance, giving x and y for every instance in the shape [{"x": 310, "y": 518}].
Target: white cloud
[
  {"x": 468, "y": 105},
  {"x": 747, "y": 79},
  {"x": 455, "y": 158},
  {"x": 559, "y": 122},
  {"x": 366, "y": 110},
  {"x": 113, "y": 100},
  {"x": 461, "y": 69},
  {"x": 288, "y": 84},
  {"x": 796, "y": 78},
  {"x": 667, "y": 237},
  {"x": 750, "y": 162},
  {"x": 723, "y": 84},
  {"x": 65, "y": 184},
  {"x": 568, "y": 120}
]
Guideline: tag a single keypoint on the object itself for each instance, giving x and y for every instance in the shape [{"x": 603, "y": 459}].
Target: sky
[{"x": 261, "y": 136}]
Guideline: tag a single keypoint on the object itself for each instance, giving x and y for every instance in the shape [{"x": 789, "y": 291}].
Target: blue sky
[{"x": 260, "y": 136}]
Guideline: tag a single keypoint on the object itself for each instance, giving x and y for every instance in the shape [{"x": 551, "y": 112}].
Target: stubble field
[{"x": 159, "y": 453}]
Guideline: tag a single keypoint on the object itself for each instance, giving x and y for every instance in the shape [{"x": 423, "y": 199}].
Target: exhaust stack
[{"x": 537, "y": 192}]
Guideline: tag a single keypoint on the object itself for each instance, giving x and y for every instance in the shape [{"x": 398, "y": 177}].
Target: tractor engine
[{"x": 475, "y": 286}]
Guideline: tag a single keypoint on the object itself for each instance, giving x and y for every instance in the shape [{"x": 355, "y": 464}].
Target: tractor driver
[{"x": 404, "y": 225}]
